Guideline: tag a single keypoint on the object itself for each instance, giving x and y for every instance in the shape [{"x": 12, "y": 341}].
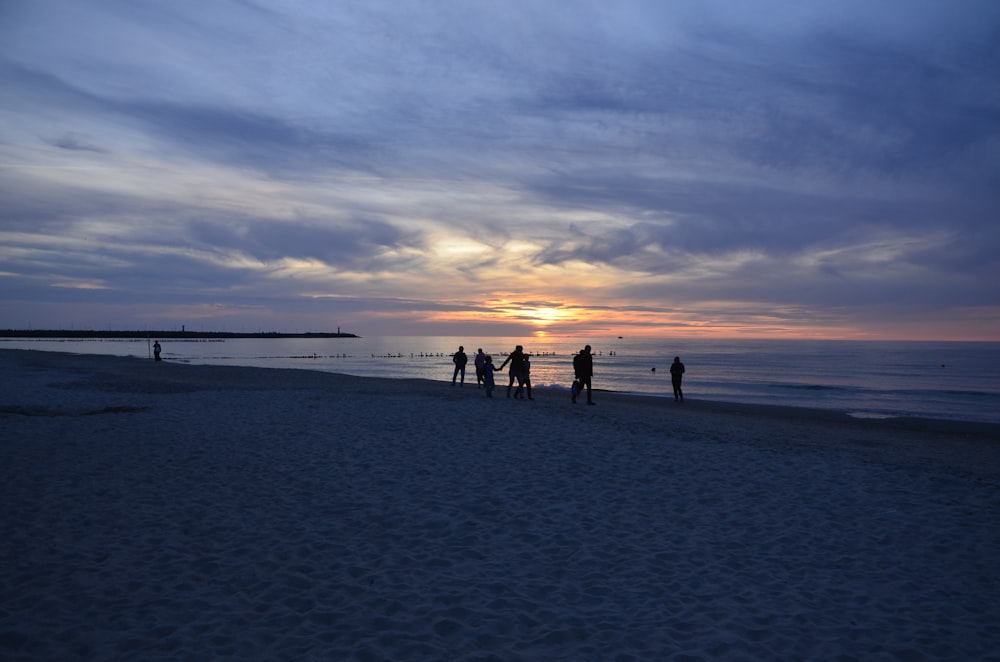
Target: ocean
[{"x": 875, "y": 379}]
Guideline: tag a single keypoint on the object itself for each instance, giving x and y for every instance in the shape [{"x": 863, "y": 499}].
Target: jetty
[{"x": 167, "y": 335}]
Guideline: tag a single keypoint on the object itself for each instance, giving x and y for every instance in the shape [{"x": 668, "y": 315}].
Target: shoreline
[
  {"x": 964, "y": 397},
  {"x": 162, "y": 510},
  {"x": 989, "y": 431}
]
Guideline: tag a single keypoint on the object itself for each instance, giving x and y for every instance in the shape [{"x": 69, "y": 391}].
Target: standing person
[
  {"x": 480, "y": 367},
  {"x": 460, "y": 360},
  {"x": 526, "y": 373},
  {"x": 156, "y": 350},
  {"x": 488, "y": 376},
  {"x": 583, "y": 367},
  {"x": 516, "y": 360},
  {"x": 676, "y": 375}
]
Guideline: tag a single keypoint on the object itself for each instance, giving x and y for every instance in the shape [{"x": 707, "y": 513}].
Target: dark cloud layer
[{"x": 376, "y": 158}]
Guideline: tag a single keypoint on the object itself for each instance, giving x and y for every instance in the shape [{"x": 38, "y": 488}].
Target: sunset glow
[{"x": 648, "y": 169}]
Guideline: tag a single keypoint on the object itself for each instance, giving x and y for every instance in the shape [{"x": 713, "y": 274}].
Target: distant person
[
  {"x": 480, "y": 367},
  {"x": 516, "y": 371},
  {"x": 583, "y": 368},
  {"x": 676, "y": 375},
  {"x": 488, "y": 381},
  {"x": 156, "y": 350},
  {"x": 460, "y": 359},
  {"x": 526, "y": 374}
]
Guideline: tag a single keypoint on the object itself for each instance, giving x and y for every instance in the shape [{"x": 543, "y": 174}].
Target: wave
[
  {"x": 814, "y": 387},
  {"x": 971, "y": 394}
]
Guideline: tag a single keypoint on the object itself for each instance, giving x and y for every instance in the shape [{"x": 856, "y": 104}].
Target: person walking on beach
[
  {"x": 488, "y": 376},
  {"x": 156, "y": 350},
  {"x": 583, "y": 367},
  {"x": 460, "y": 360},
  {"x": 516, "y": 360},
  {"x": 676, "y": 375},
  {"x": 480, "y": 367}
]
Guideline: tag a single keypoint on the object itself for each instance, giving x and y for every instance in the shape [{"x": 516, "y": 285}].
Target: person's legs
[{"x": 586, "y": 382}]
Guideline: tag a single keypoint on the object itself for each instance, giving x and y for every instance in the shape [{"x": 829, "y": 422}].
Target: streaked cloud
[{"x": 767, "y": 168}]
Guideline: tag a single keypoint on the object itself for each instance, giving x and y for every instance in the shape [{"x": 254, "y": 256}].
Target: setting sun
[{"x": 547, "y": 316}]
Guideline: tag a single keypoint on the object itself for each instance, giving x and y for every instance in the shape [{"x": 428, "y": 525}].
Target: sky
[{"x": 666, "y": 168}]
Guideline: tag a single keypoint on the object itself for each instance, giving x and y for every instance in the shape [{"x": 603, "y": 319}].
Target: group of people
[{"x": 520, "y": 372}]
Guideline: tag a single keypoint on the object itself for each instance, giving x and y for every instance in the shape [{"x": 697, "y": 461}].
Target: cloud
[{"x": 423, "y": 159}]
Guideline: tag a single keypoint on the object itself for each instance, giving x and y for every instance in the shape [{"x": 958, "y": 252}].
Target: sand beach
[{"x": 162, "y": 511}]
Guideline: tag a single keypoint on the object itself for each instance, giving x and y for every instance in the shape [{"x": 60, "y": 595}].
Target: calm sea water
[{"x": 946, "y": 380}]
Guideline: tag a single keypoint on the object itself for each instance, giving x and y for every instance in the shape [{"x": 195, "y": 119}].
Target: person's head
[
  {"x": 461, "y": 348},
  {"x": 587, "y": 349},
  {"x": 489, "y": 359},
  {"x": 480, "y": 350},
  {"x": 519, "y": 348},
  {"x": 677, "y": 359}
]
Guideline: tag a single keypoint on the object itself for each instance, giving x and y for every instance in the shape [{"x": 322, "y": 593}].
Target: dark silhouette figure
[
  {"x": 480, "y": 367},
  {"x": 516, "y": 371},
  {"x": 488, "y": 376},
  {"x": 460, "y": 360},
  {"x": 526, "y": 374},
  {"x": 676, "y": 375},
  {"x": 156, "y": 350},
  {"x": 583, "y": 368}
]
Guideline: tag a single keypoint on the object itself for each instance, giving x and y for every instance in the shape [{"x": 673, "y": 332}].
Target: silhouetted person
[
  {"x": 526, "y": 373},
  {"x": 516, "y": 360},
  {"x": 460, "y": 360},
  {"x": 480, "y": 367},
  {"x": 156, "y": 350},
  {"x": 583, "y": 367},
  {"x": 676, "y": 375},
  {"x": 488, "y": 376}
]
